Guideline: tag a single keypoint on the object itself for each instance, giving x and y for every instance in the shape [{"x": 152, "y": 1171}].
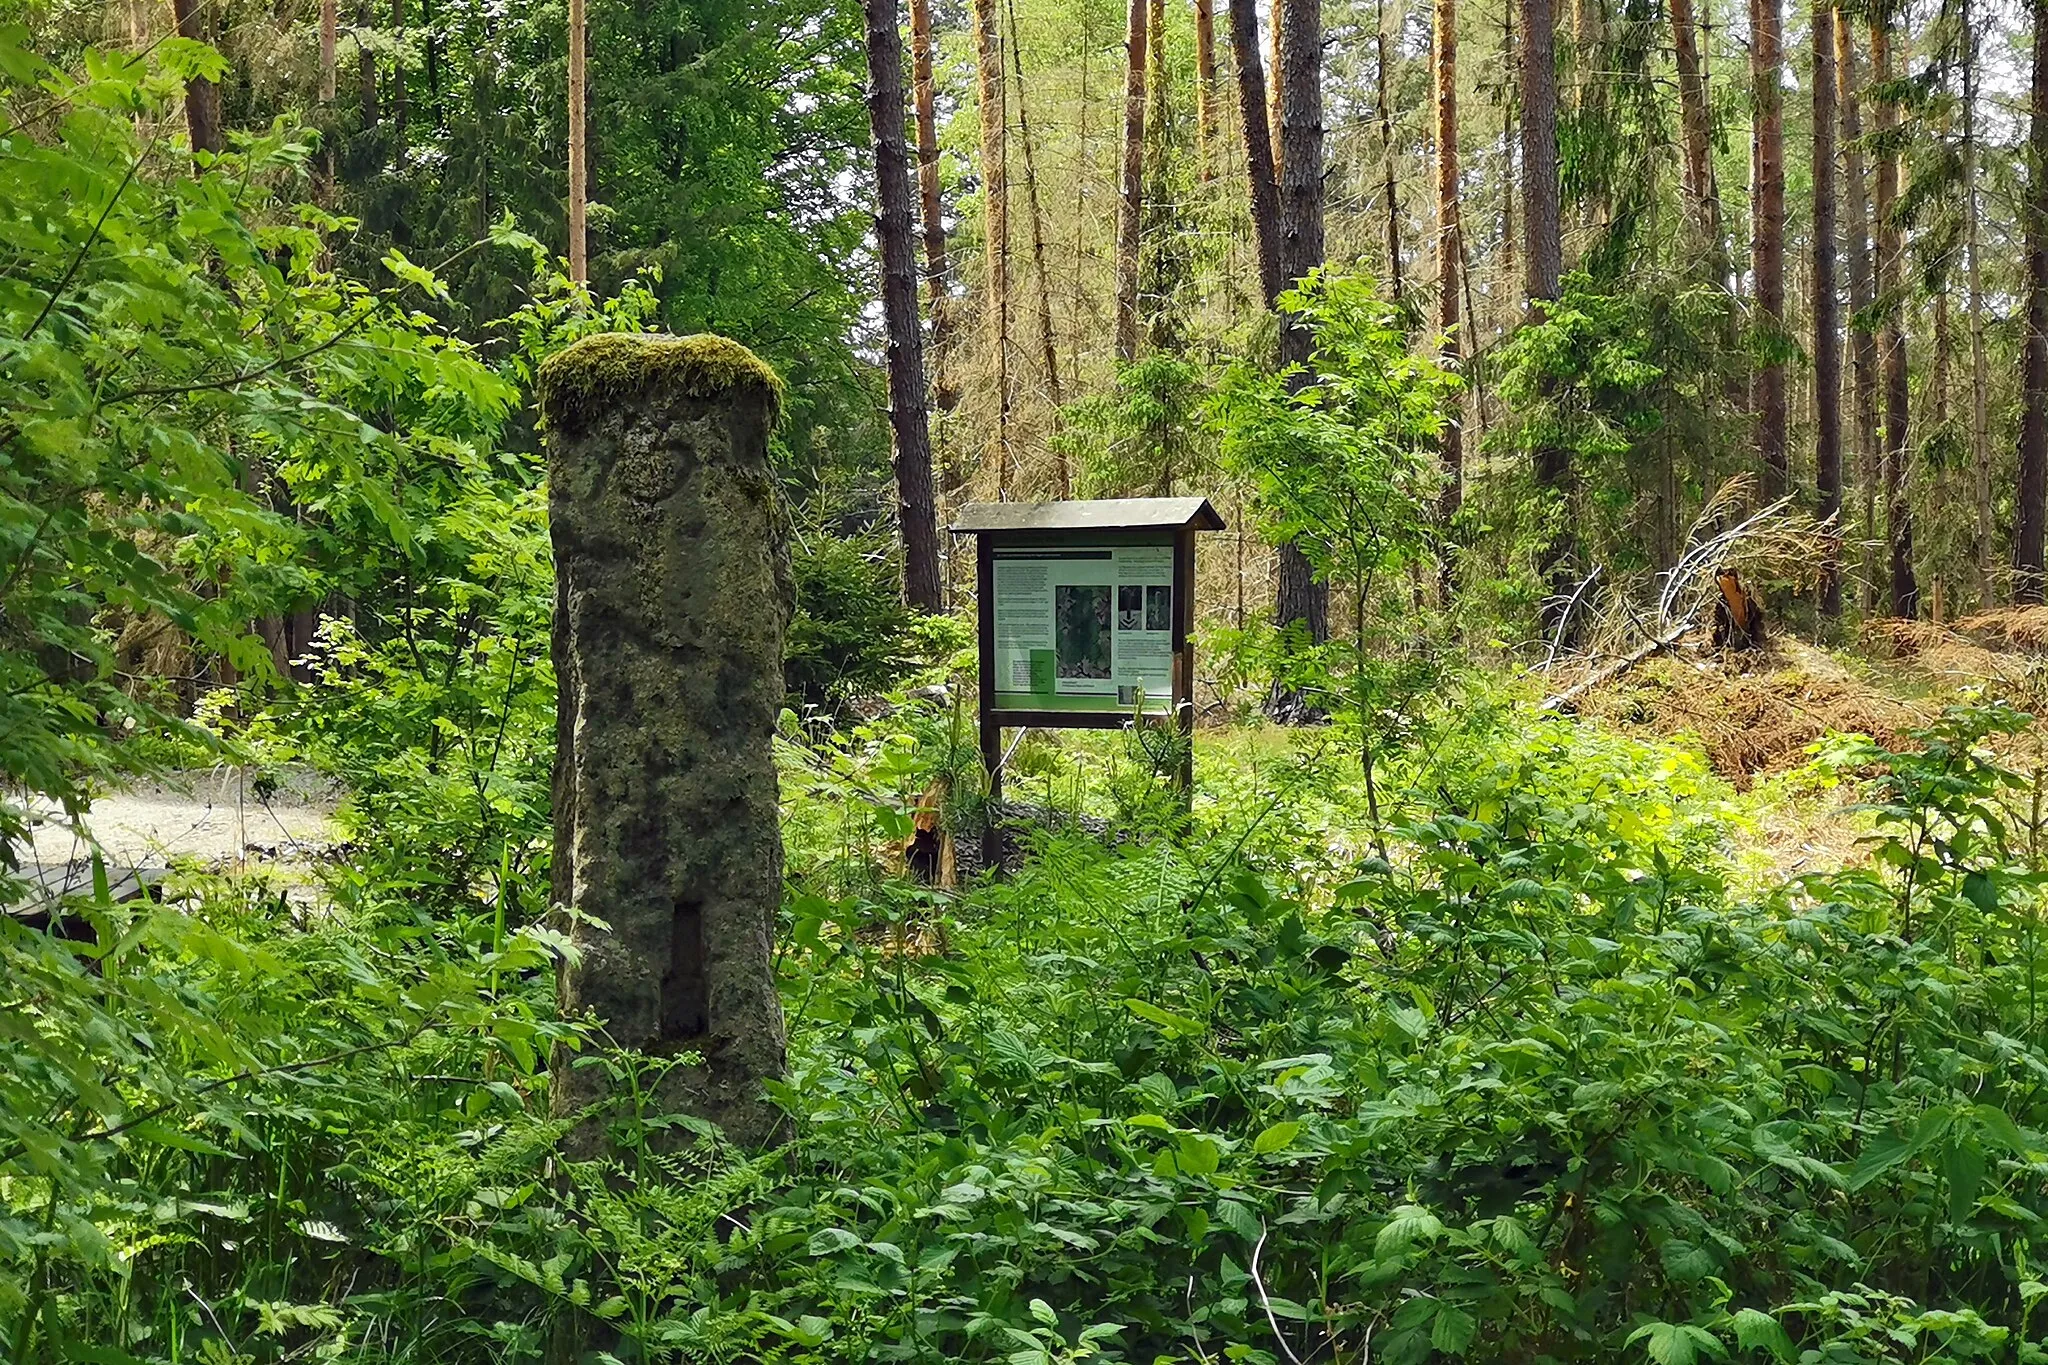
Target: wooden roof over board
[{"x": 1091, "y": 514}]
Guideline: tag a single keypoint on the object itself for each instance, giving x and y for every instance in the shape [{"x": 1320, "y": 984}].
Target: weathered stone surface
[{"x": 672, "y": 596}]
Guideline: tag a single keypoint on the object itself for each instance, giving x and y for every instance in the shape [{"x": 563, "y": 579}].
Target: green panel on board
[{"x": 1042, "y": 672}]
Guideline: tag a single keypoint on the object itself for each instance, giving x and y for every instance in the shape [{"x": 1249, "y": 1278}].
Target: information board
[{"x": 1084, "y": 628}]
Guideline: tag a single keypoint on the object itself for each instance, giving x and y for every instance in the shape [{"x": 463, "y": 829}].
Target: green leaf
[
  {"x": 1197, "y": 1155},
  {"x": 1452, "y": 1330},
  {"x": 399, "y": 264},
  {"x": 831, "y": 1241},
  {"x": 1177, "y": 1025},
  {"x": 1688, "y": 1262},
  {"x": 1239, "y": 1218},
  {"x": 1676, "y": 1343},
  {"x": 1756, "y": 1329},
  {"x": 1998, "y": 1126},
  {"x": 1408, "y": 1225},
  {"x": 1275, "y": 1137},
  {"x": 1890, "y": 1150}
]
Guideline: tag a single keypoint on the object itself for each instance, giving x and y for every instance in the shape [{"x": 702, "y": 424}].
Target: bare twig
[{"x": 1266, "y": 1301}]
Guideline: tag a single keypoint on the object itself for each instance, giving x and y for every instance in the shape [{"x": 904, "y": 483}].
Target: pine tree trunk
[
  {"x": 1273, "y": 91},
  {"x": 1542, "y": 265},
  {"x": 908, "y": 421},
  {"x": 1891, "y": 289},
  {"x": 1944, "y": 359},
  {"x": 1862, "y": 342},
  {"x": 579, "y": 260},
  {"x": 369, "y": 109},
  {"x": 1980, "y": 385},
  {"x": 1703, "y": 206},
  {"x": 1510, "y": 148},
  {"x": 330, "y": 28},
  {"x": 202, "y": 96},
  {"x": 1131, "y": 203},
  {"x": 1827, "y": 344},
  {"x": 1386, "y": 117},
  {"x": 995, "y": 199},
  {"x": 1298, "y": 596},
  {"x": 1048, "y": 351},
  {"x": 1077, "y": 306},
  {"x": 1205, "y": 89},
  {"x": 1262, "y": 184},
  {"x": 399, "y": 80},
  {"x": 1767, "y": 233},
  {"x": 1543, "y": 249},
  {"x": 931, "y": 211},
  {"x": 1450, "y": 250},
  {"x": 2030, "y": 576}
]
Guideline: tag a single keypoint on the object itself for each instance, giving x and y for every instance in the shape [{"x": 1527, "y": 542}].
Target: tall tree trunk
[
  {"x": 579, "y": 244},
  {"x": 931, "y": 211},
  {"x": 1263, "y": 186},
  {"x": 1980, "y": 380},
  {"x": 1944, "y": 357},
  {"x": 1510, "y": 147},
  {"x": 1862, "y": 342},
  {"x": 1891, "y": 289},
  {"x": 1542, "y": 265},
  {"x": 1702, "y": 204},
  {"x": 908, "y": 422},
  {"x": 1048, "y": 352},
  {"x": 1543, "y": 249},
  {"x": 1131, "y": 204},
  {"x": 399, "y": 79},
  {"x": 1298, "y": 596},
  {"x": 1386, "y": 117},
  {"x": 330, "y": 28},
  {"x": 1274, "y": 91},
  {"x": 995, "y": 192},
  {"x": 1450, "y": 251},
  {"x": 202, "y": 96},
  {"x": 1205, "y": 89},
  {"x": 1767, "y": 232},
  {"x": 369, "y": 109},
  {"x": 2030, "y": 575},
  {"x": 330, "y": 31},
  {"x": 1827, "y": 344},
  {"x": 1077, "y": 306}
]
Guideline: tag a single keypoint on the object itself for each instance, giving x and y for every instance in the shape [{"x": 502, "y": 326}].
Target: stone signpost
[{"x": 672, "y": 596}]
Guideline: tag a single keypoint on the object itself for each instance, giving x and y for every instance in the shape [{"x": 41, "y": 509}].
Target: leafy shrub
[
  {"x": 1535, "y": 1086},
  {"x": 851, "y": 633}
]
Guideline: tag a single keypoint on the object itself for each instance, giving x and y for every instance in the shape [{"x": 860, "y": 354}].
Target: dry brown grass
[
  {"x": 1751, "y": 716},
  {"x": 2011, "y": 630}
]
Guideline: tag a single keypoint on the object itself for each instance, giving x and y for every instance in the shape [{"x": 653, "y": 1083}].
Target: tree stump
[
  {"x": 673, "y": 591},
  {"x": 1739, "y": 623}
]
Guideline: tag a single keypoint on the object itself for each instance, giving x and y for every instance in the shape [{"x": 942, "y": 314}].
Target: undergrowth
[{"x": 1531, "y": 1084}]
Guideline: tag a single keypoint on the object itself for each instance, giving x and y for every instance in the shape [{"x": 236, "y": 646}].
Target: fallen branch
[{"x": 1616, "y": 669}]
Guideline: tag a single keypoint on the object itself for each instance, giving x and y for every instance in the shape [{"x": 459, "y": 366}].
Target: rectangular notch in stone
[{"x": 685, "y": 1002}]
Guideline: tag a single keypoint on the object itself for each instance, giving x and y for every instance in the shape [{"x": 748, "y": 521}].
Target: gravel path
[{"x": 212, "y": 817}]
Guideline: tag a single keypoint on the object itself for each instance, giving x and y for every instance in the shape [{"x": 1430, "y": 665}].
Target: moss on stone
[{"x": 598, "y": 371}]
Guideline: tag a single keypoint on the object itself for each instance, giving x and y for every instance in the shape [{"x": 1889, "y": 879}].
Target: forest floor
[{"x": 1758, "y": 718}]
